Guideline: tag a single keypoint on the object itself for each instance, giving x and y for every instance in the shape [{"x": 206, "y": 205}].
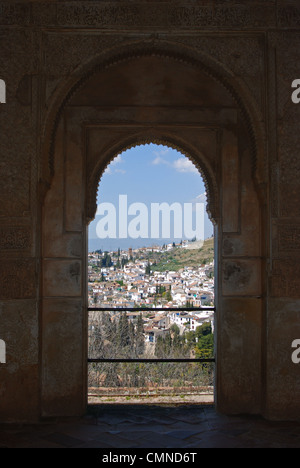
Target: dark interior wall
[{"x": 230, "y": 65}]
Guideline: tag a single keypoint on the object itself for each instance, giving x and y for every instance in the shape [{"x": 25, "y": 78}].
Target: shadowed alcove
[{"x": 149, "y": 93}]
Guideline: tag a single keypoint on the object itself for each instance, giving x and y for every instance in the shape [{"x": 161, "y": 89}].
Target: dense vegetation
[
  {"x": 177, "y": 258},
  {"x": 112, "y": 337}
]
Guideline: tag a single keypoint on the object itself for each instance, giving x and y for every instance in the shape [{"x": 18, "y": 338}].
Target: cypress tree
[
  {"x": 139, "y": 338},
  {"x": 123, "y": 335}
]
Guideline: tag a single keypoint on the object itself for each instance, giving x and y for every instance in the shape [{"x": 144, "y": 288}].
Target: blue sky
[{"x": 148, "y": 174}]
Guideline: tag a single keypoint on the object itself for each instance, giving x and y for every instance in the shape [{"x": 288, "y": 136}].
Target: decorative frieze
[
  {"x": 151, "y": 14},
  {"x": 216, "y": 16},
  {"x": 132, "y": 15},
  {"x": 105, "y": 15}
]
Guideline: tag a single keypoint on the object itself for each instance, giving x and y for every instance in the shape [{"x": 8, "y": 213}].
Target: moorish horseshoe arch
[
  {"x": 152, "y": 136},
  {"x": 225, "y": 141}
]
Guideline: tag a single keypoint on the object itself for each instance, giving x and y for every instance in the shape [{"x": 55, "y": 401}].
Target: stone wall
[{"x": 247, "y": 55}]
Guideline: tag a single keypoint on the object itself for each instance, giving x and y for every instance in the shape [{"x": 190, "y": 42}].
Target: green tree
[
  {"x": 139, "y": 337},
  {"x": 205, "y": 329},
  {"x": 123, "y": 333},
  {"x": 159, "y": 347},
  {"x": 205, "y": 345},
  {"x": 175, "y": 329},
  {"x": 131, "y": 332},
  {"x": 108, "y": 261},
  {"x": 169, "y": 295}
]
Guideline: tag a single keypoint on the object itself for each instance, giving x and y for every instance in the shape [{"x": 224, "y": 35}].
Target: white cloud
[
  {"x": 159, "y": 157},
  {"x": 117, "y": 160},
  {"x": 181, "y": 164},
  {"x": 120, "y": 171},
  {"x": 202, "y": 198},
  {"x": 159, "y": 160},
  {"x": 111, "y": 168},
  {"x": 162, "y": 152},
  {"x": 185, "y": 165}
]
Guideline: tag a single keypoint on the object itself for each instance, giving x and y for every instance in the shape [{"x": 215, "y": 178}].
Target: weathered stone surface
[
  {"x": 86, "y": 79},
  {"x": 17, "y": 279},
  {"x": 19, "y": 376},
  {"x": 63, "y": 384},
  {"x": 282, "y": 377},
  {"x": 239, "y": 368},
  {"x": 62, "y": 278},
  {"x": 241, "y": 277}
]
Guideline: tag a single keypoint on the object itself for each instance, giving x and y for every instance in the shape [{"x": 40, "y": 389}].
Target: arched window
[{"x": 151, "y": 251}]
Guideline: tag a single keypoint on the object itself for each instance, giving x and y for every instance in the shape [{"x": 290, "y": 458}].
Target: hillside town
[{"x": 132, "y": 279}]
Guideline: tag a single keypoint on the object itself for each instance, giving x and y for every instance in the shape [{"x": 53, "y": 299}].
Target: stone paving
[{"x": 141, "y": 426}]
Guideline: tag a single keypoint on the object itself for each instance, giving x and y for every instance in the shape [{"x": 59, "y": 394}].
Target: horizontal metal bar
[
  {"x": 117, "y": 360},
  {"x": 147, "y": 309}
]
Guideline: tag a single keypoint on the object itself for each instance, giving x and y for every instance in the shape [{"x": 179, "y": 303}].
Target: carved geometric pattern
[
  {"x": 285, "y": 279},
  {"x": 289, "y": 238},
  {"x": 14, "y": 238},
  {"x": 187, "y": 15},
  {"x": 17, "y": 279}
]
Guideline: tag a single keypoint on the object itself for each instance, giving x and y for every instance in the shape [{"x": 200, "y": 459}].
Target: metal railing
[{"x": 151, "y": 360}]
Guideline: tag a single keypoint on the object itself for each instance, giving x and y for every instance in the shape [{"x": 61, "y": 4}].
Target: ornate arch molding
[
  {"x": 153, "y": 136},
  {"x": 173, "y": 51}
]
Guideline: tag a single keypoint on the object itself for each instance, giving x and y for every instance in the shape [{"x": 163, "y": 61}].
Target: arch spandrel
[
  {"x": 231, "y": 91},
  {"x": 153, "y": 81}
]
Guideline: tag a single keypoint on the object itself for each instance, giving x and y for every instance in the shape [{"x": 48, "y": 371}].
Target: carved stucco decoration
[
  {"x": 245, "y": 101},
  {"x": 287, "y": 166},
  {"x": 17, "y": 279},
  {"x": 129, "y": 15},
  {"x": 19, "y": 54},
  {"x": 14, "y": 238}
]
